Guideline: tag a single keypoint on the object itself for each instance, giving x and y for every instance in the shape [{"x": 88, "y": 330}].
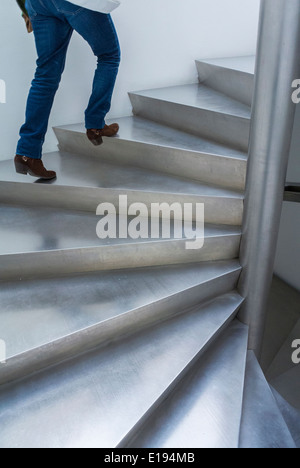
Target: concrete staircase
[{"x": 134, "y": 343}]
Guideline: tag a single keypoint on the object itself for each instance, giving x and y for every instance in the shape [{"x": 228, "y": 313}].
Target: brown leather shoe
[
  {"x": 95, "y": 135},
  {"x": 33, "y": 167}
]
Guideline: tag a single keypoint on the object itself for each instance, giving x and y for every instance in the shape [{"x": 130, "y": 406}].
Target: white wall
[
  {"x": 160, "y": 40},
  {"x": 287, "y": 265}
]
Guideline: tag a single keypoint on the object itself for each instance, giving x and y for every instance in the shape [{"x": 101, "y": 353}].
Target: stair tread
[
  {"x": 89, "y": 310},
  {"x": 199, "y": 96},
  {"x": 95, "y": 400},
  {"x": 82, "y": 301},
  {"x": 244, "y": 64},
  {"x": 33, "y": 229},
  {"x": 263, "y": 425},
  {"x": 204, "y": 410},
  {"x": 291, "y": 416},
  {"x": 137, "y": 129},
  {"x": 75, "y": 170}
]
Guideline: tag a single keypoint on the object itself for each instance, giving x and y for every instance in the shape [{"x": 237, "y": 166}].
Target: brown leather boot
[
  {"x": 95, "y": 135},
  {"x": 33, "y": 167}
]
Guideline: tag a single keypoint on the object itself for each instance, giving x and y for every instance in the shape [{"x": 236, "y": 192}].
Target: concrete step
[
  {"x": 149, "y": 145},
  {"x": 95, "y": 400},
  {"x": 198, "y": 110},
  {"x": 204, "y": 410},
  {"x": 263, "y": 425},
  {"x": 233, "y": 76},
  {"x": 46, "y": 321},
  {"x": 84, "y": 182}
]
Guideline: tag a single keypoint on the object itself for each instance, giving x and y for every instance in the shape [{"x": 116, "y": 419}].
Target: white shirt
[{"x": 103, "y": 6}]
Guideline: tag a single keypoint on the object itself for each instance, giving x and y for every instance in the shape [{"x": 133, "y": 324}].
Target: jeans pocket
[{"x": 67, "y": 8}]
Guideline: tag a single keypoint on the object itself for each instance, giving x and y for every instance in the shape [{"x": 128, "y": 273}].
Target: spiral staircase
[{"x": 135, "y": 343}]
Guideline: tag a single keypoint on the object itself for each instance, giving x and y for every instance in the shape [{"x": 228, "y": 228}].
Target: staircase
[{"x": 135, "y": 343}]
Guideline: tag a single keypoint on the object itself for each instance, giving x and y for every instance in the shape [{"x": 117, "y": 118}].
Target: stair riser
[
  {"x": 111, "y": 330},
  {"x": 227, "y": 211},
  {"x": 208, "y": 168},
  {"x": 222, "y": 128},
  {"x": 234, "y": 83},
  {"x": 62, "y": 262}
]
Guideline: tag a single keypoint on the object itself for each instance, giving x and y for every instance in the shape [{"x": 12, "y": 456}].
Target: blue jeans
[{"x": 53, "y": 23}]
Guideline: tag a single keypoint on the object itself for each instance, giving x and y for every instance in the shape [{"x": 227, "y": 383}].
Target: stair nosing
[
  {"x": 239, "y": 195},
  {"x": 246, "y": 119},
  {"x": 124, "y": 244},
  {"x": 140, "y": 94},
  {"x": 214, "y": 65}
]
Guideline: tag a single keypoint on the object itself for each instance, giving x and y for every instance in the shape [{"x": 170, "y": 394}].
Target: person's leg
[
  {"x": 52, "y": 37},
  {"x": 99, "y": 31}
]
